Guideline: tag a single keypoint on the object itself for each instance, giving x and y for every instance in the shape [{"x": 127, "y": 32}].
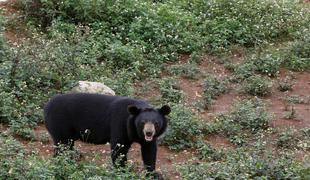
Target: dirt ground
[{"x": 193, "y": 91}]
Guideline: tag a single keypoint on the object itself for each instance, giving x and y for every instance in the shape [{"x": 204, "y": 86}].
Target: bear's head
[{"x": 149, "y": 122}]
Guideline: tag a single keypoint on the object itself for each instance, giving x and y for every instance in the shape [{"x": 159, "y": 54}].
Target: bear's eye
[{"x": 156, "y": 124}]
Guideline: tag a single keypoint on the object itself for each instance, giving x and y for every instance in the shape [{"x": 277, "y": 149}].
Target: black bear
[{"x": 99, "y": 119}]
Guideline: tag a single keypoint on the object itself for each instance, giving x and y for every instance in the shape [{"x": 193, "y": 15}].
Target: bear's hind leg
[
  {"x": 119, "y": 154},
  {"x": 63, "y": 145}
]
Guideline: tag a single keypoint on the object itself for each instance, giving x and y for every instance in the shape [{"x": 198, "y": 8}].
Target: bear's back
[{"x": 69, "y": 115}]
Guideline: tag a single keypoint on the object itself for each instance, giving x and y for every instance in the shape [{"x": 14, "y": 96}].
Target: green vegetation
[
  {"x": 293, "y": 139},
  {"x": 124, "y": 43},
  {"x": 176, "y": 138},
  {"x": 246, "y": 118},
  {"x": 170, "y": 90},
  {"x": 16, "y": 163},
  {"x": 247, "y": 164},
  {"x": 257, "y": 85},
  {"x": 212, "y": 88},
  {"x": 286, "y": 84},
  {"x": 188, "y": 70}
]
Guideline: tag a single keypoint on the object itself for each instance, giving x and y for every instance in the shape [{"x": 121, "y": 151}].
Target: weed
[
  {"x": 297, "y": 57},
  {"x": 287, "y": 139},
  {"x": 246, "y": 118},
  {"x": 212, "y": 88},
  {"x": 176, "y": 137},
  {"x": 170, "y": 90},
  {"x": 207, "y": 152},
  {"x": 291, "y": 114},
  {"x": 286, "y": 84},
  {"x": 257, "y": 85},
  {"x": 297, "y": 99},
  {"x": 268, "y": 64},
  {"x": 43, "y": 137},
  {"x": 294, "y": 139},
  {"x": 15, "y": 163},
  {"x": 246, "y": 164},
  {"x": 188, "y": 70},
  {"x": 243, "y": 71}
]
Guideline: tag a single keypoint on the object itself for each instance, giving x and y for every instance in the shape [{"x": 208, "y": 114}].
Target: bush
[
  {"x": 298, "y": 57},
  {"x": 246, "y": 118},
  {"x": 287, "y": 139},
  {"x": 257, "y": 85},
  {"x": 294, "y": 139},
  {"x": 212, "y": 87},
  {"x": 184, "y": 130},
  {"x": 2, "y": 42},
  {"x": 243, "y": 71},
  {"x": 241, "y": 164},
  {"x": 170, "y": 90},
  {"x": 207, "y": 152},
  {"x": 188, "y": 70},
  {"x": 171, "y": 27},
  {"x": 251, "y": 114},
  {"x": 245, "y": 22},
  {"x": 268, "y": 64},
  {"x": 285, "y": 84},
  {"x": 15, "y": 163},
  {"x": 297, "y": 99}
]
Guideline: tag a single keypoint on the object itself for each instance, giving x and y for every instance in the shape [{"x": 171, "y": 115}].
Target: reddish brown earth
[{"x": 280, "y": 107}]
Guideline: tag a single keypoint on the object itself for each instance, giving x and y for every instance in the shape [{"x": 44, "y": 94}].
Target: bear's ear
[
  {"x": 132, "y": 109},
  {"x": 165, "y": 110}
]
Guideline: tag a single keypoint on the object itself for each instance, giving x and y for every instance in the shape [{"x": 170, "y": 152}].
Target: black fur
[{"x": 100, "y": 119}]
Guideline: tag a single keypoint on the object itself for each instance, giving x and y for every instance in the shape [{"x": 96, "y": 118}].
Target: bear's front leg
[
  {"x": 119, "y": 154},
  {"x": 149, "y": 151}
]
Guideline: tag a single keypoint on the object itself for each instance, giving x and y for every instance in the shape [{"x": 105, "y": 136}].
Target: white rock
[{"x": 93, "y": 87}]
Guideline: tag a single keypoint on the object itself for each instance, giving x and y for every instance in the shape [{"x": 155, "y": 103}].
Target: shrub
[
  {"x": 246, "y": 118},
  {"x": 171, "y": 27},
  {"x": 294, "y": 139},
  {"x": 245, "y": 22},
  {"x": 188, "y": 70},
  {"x": 212, "y": 87},
  {"x": 287, "y": 139},
  {"x": 243, "y": 71},
  {"x": 241, "y": 164},
  {"x": 207, "y": 152},
  {"x": 2, "y": 42},
  {"x": 170, "y": 90},
  {"x": 297, "y": 57},
  {"x": 184, "y": 129},
  {"x": 297, "y": 99},
  {"x": 15, "y": 163},
  {"x": 285, "y": 84},
  {"x": 257, "y": 85},
  {"x": 251, "y": 114},
  {"x": 268, "y": 64}
]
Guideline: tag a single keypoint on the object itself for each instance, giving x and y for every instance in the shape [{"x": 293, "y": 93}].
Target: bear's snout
[{"x": 148, "y": 131}]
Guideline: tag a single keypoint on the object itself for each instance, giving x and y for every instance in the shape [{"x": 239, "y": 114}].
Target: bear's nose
[{"x": 148, "y": 133}]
